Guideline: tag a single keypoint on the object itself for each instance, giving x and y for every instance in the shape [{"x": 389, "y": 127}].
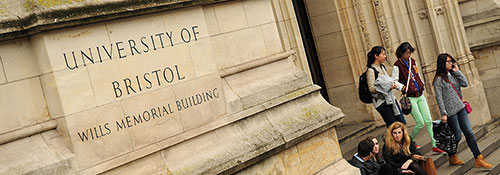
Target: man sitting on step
[{"x": 363, "y": 160}]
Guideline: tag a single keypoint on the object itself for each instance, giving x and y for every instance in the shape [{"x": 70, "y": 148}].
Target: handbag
[
  {"x": 467, "y": 105},
  {"x": 428, "y": 166},
  {"x": 405, "y": 101},
  {"x": 445, "y": 139}
]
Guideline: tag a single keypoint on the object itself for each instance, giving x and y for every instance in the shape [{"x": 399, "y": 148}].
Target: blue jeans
[
  {"x": 460, "y": 123},
  {"x": 387, "y": 114}
]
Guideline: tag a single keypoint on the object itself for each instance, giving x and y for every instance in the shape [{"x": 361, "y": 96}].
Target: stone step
[
  {"x": 442, "y": 159},
  {"x": 488, "y": 144},
  {"x": 348, "y": 132},
  {"x": 493, "y": 159}
]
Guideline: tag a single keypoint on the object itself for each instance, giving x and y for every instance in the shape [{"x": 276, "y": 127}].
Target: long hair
[
  {"x": 378, "y": 156},
  {"x": 394, "y": 146},
  {"x": 402, "y": 49},
  {"x": 441, "y": 67},
  {"x": 376, "y": 50}
]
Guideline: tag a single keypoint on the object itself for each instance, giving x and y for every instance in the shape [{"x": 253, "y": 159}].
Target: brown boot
[
  {"x": 480, "y": 163},
  {"x": 455, "y": 161}
]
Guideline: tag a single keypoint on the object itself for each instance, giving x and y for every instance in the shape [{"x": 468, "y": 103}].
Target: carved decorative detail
[
  {"x": 382, "y": 25},
  {"x": 439, "y": 10},
  {"x": 362, "y": 23},
  {"x": 423, "y": 14}
]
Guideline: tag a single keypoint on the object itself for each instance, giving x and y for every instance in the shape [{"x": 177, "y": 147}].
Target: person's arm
[
  {"x": 388, "y": 157},
  {"x": 395, "y": 77},
  {"x": 370, "y": 79},
  {"x": 461, "y": 78},
  {"x": 438, "y": 89}
]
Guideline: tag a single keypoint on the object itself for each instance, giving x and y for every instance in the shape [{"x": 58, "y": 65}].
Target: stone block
[
  {"x": 337, "y": 72},
  {"x": 325, "y": 24},
  {"x": 272, "y": 38},
  {"x": 485, "y": 59},
  {"x": 211, "y": 20},
  {"x": 204, "y": 152},
  {"x": 258, "y": 12},
  {"x": 25, "y": 155},
  {"x": 291, "y": 161},
  {"x": 185, "y": 23},
  {"x": 148, "y": 30},
  {"x": 199, "y": 101},
  {"x": 155, "y": 115},
  {"x": 233, "y": 102},
  {"x": 274, "y": 79},
  {"x": 143, "y": 73},
  {"x": 203, "y": 57},
  {"x": 351, "y": 105},
  {"x": 319, "y": 151},
  {"x": 18, "y": 60},
  {"x": 493, "y": 97},
  {"x": 52, "y": 46},
  {"x": 149, "y": 164},
  {"x": 3, "y": 78},
  {"x": 496, "y": 52},
  {"x": 249, "y": 138},
  {"x": 468, "y": 8},
  {"x": 99, "y": 134},
  {"x": 23, "y": 104},
  {"x": 230, "y": 16},
  {"x": 319, "y": 7},
  {"x": 270, "y": 166},
  {"x": 238, "y": 47},
  {"x": 63, "y": 87},
  {"x": 331, "y": 46}
]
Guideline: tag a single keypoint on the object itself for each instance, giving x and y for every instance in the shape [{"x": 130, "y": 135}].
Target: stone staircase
[{"x": 487, "y": 137}]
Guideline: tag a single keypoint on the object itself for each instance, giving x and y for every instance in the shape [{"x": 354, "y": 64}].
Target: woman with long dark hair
[
  {"x": 380, "y": 85},
  {"x": 400, "y": 151},
  {"x": 406, "y": 72},
  {"x": 447, "y": 83}
]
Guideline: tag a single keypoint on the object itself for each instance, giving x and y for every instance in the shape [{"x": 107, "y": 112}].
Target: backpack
[{"x": 364, "y": 93}]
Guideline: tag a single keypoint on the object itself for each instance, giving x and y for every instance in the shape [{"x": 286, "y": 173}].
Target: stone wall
[
  {"x": 482, "y": 23},
  {"x": 188, "y": 87}
]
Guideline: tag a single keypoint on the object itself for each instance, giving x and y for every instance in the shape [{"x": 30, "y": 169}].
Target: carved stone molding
[
  {"x": 382, "y": 25},
  {"x": 439, "y": 10},
  {"x": 423, "y": 14},
  {"x": 362, "y": 24}
]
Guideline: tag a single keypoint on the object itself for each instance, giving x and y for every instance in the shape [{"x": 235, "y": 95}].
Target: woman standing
[
  {"x": 420, "y": 109},
  {"x": 400, "y": 151},
  {"x": 380, "y": 85},
  {"x": 447, "y": 83}
]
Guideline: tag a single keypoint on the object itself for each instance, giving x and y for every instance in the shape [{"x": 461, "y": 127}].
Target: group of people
[{"x": 400, "y": 152}]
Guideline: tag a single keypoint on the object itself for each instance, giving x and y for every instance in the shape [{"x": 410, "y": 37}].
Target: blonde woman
[{"x": 400, "y": 151}]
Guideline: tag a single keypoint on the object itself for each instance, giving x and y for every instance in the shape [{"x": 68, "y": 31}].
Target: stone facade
[
  {"x": 344, "y": 32},
  {"x": 188, "y": 87},
  {"x": 482, "y": 23}
]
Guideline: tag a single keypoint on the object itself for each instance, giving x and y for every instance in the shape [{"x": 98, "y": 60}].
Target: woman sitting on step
[
  {"x": 447, "y": 83},
  {"x": 400, "y": 151}
]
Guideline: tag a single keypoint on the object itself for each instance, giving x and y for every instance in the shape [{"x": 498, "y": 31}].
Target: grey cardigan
[{"x": 447, "y": 99}]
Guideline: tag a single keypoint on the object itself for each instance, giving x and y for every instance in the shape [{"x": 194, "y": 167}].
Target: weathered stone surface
[
  {"x": 275, "y": 79},
  {"x": 23, "y": 104},
  {"x": 18, "y": 60},
  {"x": 109, "y": 139},
  {"x": 31, "y": 154},
  {"x": 150, "y": 164},
  {"x": 238, "y": 47},
  {"x": 231, "y": 16},
  {"x": 341, "y": 167},
  {"x": 203, "y": 57},
  {"x": 60, "y": 89},
  {"x": 319, "y": 151},
  {"x": 258, "y": 12}
]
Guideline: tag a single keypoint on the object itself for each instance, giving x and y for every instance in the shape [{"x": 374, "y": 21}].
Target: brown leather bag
[{"x": 428, "y": 166}]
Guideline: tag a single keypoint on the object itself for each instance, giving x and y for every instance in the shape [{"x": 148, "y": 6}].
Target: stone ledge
[{"x": 24, "y": 18}]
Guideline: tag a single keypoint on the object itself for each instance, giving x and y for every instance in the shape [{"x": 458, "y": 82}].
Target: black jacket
[
  {"x": 367, "y": 168},
  {"x": 397, "y": 160}
]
